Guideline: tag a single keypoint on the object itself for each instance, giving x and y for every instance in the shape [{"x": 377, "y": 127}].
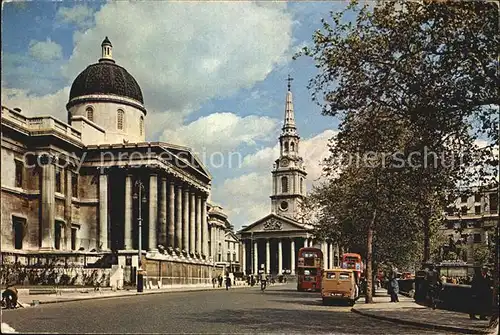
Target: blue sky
[{"x": 212, "y": 74}]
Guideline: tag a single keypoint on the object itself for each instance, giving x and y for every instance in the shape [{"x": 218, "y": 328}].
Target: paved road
[{"x": 279, "y": 309}]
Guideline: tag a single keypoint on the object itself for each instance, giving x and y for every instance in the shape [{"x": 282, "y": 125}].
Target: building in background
[
  {"x": 272, "y": 242},
  {"x": 470, "y": 224}
]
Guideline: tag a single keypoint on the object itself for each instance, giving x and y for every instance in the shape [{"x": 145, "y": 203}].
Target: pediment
[
  {"x": 187, "y": 156},
  {"x": 272, "y": 223}
]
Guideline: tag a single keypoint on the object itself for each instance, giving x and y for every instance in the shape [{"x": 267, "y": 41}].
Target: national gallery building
[{"x": 75, "y": 195}]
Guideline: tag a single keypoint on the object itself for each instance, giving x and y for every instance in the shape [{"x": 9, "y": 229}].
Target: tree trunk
[
  {"x": 427, "y": 244},
  {"x": 369, "y": 260}
]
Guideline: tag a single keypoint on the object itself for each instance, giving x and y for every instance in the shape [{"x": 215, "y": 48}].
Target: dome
[{"x": 106, "y": 77}]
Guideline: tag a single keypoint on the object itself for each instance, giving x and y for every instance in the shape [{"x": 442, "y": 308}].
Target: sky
[{"x": 213, "y": 76}]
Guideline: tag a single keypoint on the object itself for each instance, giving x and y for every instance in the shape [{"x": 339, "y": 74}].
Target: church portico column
[
  {"x": 103, "y": 212},
  {"x": 185, "y": 221},
  {"x": 192, "y": 219},
  {"x": 153, "y": 211},
  {"x": 292, "y": 255},
  {"x": 178, "y": 219},
  {"x": 199, "y": 252},
  {"x": 256, "y": 257},
  {"x": 171, "y": 215},
  {"x": 47, "y": 206},
  {"x": 268, "y": 256},
  {"x": 128, "y": 213},
  {"x": 280, "y": 257},
  {"x": 330, "y": 260}
]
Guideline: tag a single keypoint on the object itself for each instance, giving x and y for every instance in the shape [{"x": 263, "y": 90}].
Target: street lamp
[{"x": 139, "y": 194}]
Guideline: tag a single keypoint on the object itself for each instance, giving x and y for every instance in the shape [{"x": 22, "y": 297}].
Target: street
[{"x": 280, "y": 309}]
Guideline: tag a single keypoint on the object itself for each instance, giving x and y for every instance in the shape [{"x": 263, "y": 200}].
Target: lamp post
[{"x": 140, "y": 195}]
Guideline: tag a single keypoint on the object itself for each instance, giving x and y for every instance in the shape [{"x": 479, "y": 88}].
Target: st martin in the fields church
[{"x": 272, "y": 242}]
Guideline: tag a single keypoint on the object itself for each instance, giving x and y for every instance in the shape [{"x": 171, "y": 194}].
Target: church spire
[{"x": 289, "y": 127}]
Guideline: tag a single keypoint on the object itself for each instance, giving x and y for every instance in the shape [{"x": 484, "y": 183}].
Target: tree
[{"x": 431, "y": 68}]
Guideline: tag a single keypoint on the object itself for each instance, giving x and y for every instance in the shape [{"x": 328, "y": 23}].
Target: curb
[
  {"x": 131, "y": 294},
  {"x": 421, "y": 324}
]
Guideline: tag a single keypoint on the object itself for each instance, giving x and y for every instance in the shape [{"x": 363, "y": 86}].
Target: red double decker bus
[
  {"x": 354, "y": 262},
  {"x": 310, "y": 264}
]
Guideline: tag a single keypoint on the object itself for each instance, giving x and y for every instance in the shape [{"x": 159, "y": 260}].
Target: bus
[
  {"x": 353, "y": 261},
  {"x": 309, "y": 267}
]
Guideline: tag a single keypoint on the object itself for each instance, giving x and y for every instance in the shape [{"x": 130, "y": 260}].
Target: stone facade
[{"x": 73, "y": 190}]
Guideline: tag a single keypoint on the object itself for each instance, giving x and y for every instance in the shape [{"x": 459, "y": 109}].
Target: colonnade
[
  {"x": 250, "y": 249},
  {"x": 177, "y": 219}
]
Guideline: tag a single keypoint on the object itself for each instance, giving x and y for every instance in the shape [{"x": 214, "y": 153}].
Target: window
[
  {"x": 493, "y": 202},
  {"x": 58, "y": 180},
  {"x": 477, "y": 238},
  {"x": 74, "y": 185},
  {"x": 141, "y": 125},
  {"x": 330, "y": 275},
  {"x": 477, "y": 197},
  {"x": 120, "y": 116},
  {"x": 57, "y": 235},
  {"x": 284, "y": 184},
  {"x": 477, "y": 209},
  {"x": 19, "y": 173},
  {"x": 234, "y": 257},
  {"x": 284, "y": 205},
  {"x": 463, "y": 198},
  {"x": 228, "y": 257},
  {"x": 292, "y": 146},
  {"x": 90, "y": 113},
  {"x": 464, "y": 210},
  {"x": 286, "y": 146},
  {"x": 18, "y": 225},
  {"x": 450, "y": 225},
  {"x": 73, "y": 238},
  {"x": 301, "y": 185},
  {"x": 344, "y": 276}
]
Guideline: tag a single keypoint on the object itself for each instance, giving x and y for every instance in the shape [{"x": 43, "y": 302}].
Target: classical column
[
  {"x": 67, "y": 211},
  {"x": 198, "y": 226},
  {"x": 268, "y": 256},
  {"x": 153, "y": 211},
  {"x": 171, "y": 215},
  {"x": 280, "y": 257},
  {"x": 204, "y": 226},
  {"x": 192, "y": 220},
  {"x": 103, "y": 212},
  {"x": 185, "y": 222},
  {"x": 212, "y": 241},
  {"x": 47, "y": 207},
  {"x": 178, "y": 219},
  {"x": 337, "y": 252},
  {"x": 292, "y": 254},
  {"x": 325, "y": 254},
  {"x": 243, "y": 259},
  {"x": 162, "y": 213},
  {"x": 127, "y": 240},
  {"x": 256, "y": 257}
]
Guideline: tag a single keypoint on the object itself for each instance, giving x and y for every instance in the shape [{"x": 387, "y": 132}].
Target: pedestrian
[
  {"x": 9, "y": 297},
  {"x": 228, "y": 282},
  {"x": 394, "y": 288},
  {"x": 220, "y": 280},
  {"x": 214, "y": 281},
  {"x": 481, "y": 295}
]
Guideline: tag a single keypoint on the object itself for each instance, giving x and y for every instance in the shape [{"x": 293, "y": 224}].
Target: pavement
[
  {"x": 410, "y": 313},
  {"x": 76, "y": 294},
  {"x": 280, "y": 309}
]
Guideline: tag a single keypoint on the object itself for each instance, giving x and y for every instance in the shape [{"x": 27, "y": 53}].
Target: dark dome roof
[{"x": 106, "y": 77}]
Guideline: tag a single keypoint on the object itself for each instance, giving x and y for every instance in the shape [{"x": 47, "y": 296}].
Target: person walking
[
  {"x": 228, "y": 282},
  {"x": 481, "y": 295},
  {"x": 394, "y": 288}
]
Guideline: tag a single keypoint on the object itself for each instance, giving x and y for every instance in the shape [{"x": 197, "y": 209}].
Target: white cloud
[
  {"x": 246, "y": 197},
  {"x": 31, "y": 105},
  {"x": 184, "y": 54},
  {"x": 45, "y": 51},
  {"x": 221, "y": 132},
  {"x": 80, "y": 15}
]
